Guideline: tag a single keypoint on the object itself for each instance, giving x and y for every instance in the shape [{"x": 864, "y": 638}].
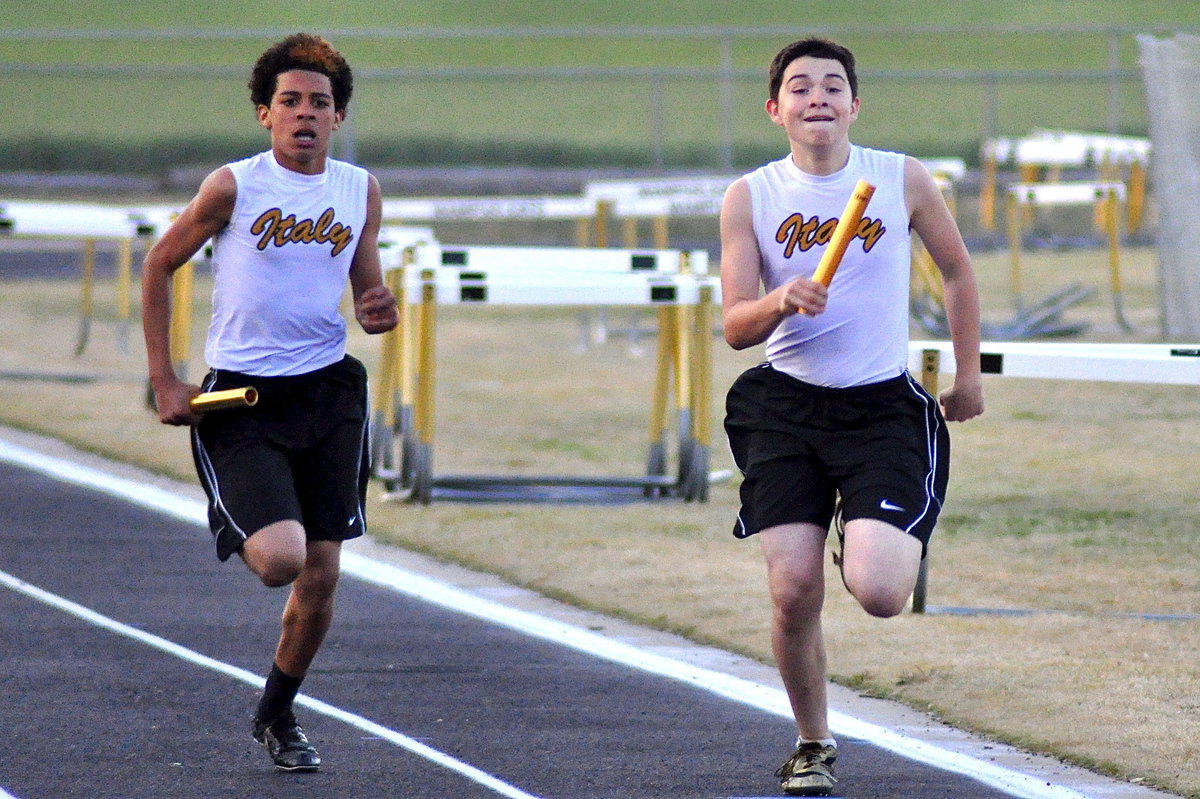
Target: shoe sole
[
  {"x": 297, "y": 769},
  {"x": 288, "y": 769}
]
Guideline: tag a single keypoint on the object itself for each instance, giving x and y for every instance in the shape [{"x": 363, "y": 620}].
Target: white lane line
[
  {"x": 766, "y": 698},
  {"x": 191, "y": 656},
  {"x": 748, "y": 692}
]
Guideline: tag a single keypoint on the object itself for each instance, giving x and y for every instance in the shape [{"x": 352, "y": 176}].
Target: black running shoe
[{"x": 285, "y": 743}]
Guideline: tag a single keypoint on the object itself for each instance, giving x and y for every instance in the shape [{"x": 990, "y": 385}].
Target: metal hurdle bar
[
  {"x": 91, "y": 223},
  {"x": 431, "y": 275},
  {"x": 1167, "y": 364}
]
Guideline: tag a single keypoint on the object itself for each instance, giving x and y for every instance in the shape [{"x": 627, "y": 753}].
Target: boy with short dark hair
[{"x": 832, "y": 423}]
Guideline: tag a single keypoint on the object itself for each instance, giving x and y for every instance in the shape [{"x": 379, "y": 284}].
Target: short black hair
[
  {"x": 301, "y": 51},
  {"x": 817, "y": 48}
]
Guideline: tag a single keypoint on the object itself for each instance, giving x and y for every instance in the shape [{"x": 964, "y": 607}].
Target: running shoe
[
  {"x": 285, "y": 742},
  {"x": 809, "y": 771}
]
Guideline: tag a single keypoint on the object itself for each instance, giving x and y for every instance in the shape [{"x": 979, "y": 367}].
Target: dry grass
[{"x": 1074, "y": 500}]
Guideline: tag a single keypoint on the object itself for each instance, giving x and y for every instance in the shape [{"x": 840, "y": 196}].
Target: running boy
[
  {"x": 286, "y": 478},
  {"x": 832, "y": 419}
]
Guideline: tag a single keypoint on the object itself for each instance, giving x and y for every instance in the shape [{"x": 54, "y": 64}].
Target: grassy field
[
  {"x": 1073, "y": 501},
  {"x": 145, "y": 121}
]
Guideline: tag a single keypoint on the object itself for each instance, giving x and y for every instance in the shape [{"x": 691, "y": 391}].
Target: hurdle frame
[
  {"x": 1167, "y": 364},
  {"x": 90, "y": 224},
  {"x": 404, "y": 405},
  {"x": 1105, "y": 197}
]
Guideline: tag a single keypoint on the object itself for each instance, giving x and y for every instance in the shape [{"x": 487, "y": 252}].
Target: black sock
[{"x": 277, "y": 697}]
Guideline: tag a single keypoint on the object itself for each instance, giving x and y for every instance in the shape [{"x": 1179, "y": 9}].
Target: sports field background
[
  {"x": 1073, "y": 502},
  {"x": 921, "y": 89}
]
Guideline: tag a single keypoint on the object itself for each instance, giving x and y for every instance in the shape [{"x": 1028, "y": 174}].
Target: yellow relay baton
[
  {"x": 844, "y": 233},
  {"x": 229, "y": 398}
]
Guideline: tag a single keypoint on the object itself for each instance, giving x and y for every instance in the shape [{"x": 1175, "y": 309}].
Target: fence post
[
  {"x": 658, "y": 118},
  {"x": 726, "y": 97}
]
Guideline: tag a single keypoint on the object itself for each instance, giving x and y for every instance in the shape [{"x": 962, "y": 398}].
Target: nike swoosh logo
[{"x": 886, "y": 505}]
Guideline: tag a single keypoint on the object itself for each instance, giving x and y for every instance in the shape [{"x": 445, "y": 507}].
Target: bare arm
[
  {"x": 934, "y": 223},
  {"x": 750, "y": 318},
  {"x": 205, "y": 216},
  {"x": 374, "y": 305}
]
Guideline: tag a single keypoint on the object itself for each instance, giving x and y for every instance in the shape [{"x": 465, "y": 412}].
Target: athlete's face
[
  {"x": 814, "y": 104},
  {"x": 301, "y": 119}
]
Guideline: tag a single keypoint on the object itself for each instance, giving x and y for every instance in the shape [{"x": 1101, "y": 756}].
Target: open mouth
[{"x": 305, "y": 135}]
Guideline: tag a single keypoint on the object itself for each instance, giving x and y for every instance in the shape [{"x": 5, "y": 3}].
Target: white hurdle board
[
  {"x": 520, "y": 260},
  {"x": 683, "y": 187},
  {"x": 76, "y": 220},
  {"x": 1170, "y": 364},
  {"x": 460, "y": 209},
  {"x": 575, "y": 276},
  {"x": 565, "y": 288},
  {"x": 662, "y": 197},
  {"x": 1080, "y": 192}
]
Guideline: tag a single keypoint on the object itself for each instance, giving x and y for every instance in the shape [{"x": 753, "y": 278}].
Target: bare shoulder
[
  {"x": 921, "y": 192},
  {"x": 736, "y": 204},
  {"x": 374, "y": 192},
  {"x": 213, "y": 203}
]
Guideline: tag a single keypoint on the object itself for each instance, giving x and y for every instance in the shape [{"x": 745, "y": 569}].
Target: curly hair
[{"x": 301, "y": 51}]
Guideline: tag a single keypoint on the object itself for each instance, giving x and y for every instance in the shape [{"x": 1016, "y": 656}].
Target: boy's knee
[
  {"x": 882, "y": 601},
  {"x": 279, "y": 572},
  {"x": 799, "y": 605}
]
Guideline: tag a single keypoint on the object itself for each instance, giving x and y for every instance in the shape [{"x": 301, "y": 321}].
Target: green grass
[{"x": 146, "y": 123}]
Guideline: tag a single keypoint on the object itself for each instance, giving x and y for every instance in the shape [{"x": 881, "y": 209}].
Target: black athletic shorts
[
  {"x": 300, "y": 453},
  {"x": 882, "y": 447}
]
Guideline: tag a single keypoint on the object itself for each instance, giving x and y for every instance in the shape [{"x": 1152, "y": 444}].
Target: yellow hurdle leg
[
  {"x": 85, "y": 299},
  {"x": 930, "y": 366},
  {"x": 1014, "y": 249}
]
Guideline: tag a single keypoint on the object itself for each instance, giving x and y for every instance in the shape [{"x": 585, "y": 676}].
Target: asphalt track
[{"x": 128, "y": 657}]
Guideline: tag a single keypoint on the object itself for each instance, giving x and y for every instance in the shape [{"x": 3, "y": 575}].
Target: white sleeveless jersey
[
  {"x": 862, "y": 337},
  {"x": 280, "y": 267}
]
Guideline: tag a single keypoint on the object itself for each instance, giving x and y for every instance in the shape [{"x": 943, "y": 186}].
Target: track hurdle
[
  {"x": 92, "y": 224},
  {"x": 927, "y": 298},
  {"x": 431, "y": 276},
  {"x": 1115, "y": 159},
  {"x": 657, "y": 200},
  {"x": 1167, "y": 364},
  {"x": 1027, "y": 197},
  {"x": 1114, "y": 156},
  {"x": 580, "y": 211}
]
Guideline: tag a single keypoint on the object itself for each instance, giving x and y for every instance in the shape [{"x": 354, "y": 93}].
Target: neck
[
  {"x": 310, "y": 164},
  {"x": 821, "y": 159}
]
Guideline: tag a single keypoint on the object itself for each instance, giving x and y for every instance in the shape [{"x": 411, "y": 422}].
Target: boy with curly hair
[{"x": 286, "y": 478}]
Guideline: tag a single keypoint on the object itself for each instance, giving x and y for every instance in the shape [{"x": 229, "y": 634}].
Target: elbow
[
  {"x": 737, "y": 338},
  {"x": 735, "y": 342}
]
